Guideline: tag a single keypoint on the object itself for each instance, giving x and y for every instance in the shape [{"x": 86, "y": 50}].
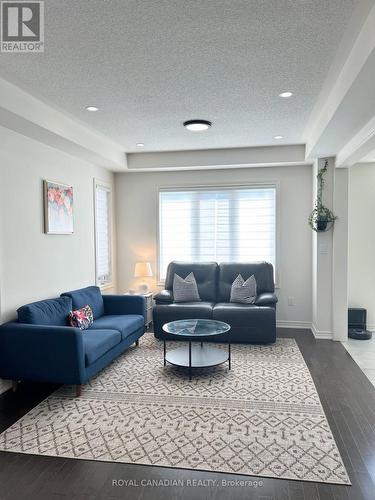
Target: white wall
[
  {"x": 340, "y": 256},
  {"x": 136, "y": 221},
  {"x": 362, "y": 239},
  {"x": 34, "y": 265}
]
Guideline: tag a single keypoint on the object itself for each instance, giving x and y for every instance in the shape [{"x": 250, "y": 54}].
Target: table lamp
[{"x": 143, "y": 270}]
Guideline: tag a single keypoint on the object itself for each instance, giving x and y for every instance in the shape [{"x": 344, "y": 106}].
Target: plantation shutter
[
  {"x": 222, "y": 225},
  {"x": 103, "y": 234}
]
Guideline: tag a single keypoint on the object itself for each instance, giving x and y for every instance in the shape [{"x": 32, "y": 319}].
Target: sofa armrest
[
  {"x": 124, "y": 304},
  {"x": 266, "y": 299},
  {"x": 42, "y": 353},
  {"x": 164, "y": 297}
]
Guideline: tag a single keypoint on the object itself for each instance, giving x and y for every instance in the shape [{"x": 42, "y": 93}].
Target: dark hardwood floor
[{"x": 348, "y": 399}]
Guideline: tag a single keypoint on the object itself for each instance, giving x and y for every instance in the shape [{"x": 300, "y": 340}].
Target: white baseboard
[
  {"x": 321, "y": 334},
  {"x": 293, "y": 324}
]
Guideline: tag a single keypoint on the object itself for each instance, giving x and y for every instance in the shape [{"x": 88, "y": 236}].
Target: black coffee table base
[{"x": 196, "y": 355}]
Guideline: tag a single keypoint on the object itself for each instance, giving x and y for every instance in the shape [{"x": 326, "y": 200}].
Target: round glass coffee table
[{"x": 196, "y": 355}]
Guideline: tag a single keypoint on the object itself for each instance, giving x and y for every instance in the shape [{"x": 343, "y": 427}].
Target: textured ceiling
[{"x": 150, "y": 65}]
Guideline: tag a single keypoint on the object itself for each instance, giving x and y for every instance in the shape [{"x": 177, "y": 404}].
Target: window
[
  {"x": 217, "y": 224},
  {"x": 103, "y": 233}
]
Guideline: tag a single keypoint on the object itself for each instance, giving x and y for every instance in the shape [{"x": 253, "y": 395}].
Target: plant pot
[{"x": 321, "y": 225}]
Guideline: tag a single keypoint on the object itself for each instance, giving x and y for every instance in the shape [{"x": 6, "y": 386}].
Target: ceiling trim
[
  {"x": 362, "y": 144},
  {"x": 219, "y": 167},
  {"x": 23, "y": 113},
  {"x": 344, "y": 72},
  {"x": 217, "y": 158}
]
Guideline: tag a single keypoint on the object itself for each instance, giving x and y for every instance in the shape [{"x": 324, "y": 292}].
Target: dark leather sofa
[{"x": 255, "y": 323}]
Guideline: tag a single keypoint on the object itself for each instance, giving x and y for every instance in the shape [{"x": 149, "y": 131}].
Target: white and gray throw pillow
[
  {"x": 185, "y": 290},
  {"x": 244, "y": 292}
]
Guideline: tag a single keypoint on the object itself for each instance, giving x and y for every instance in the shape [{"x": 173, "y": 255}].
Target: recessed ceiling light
[
  {"x": 278, "y": 137},
  {"x": 286, "y": 94},
  {"x": 140, "y": 145},
  {"x": 92, "y": 108},
  {"x": 197, "y": 125}
]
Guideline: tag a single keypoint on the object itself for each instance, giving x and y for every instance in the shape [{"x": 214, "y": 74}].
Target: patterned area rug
[{"x": 262, "y": 418}]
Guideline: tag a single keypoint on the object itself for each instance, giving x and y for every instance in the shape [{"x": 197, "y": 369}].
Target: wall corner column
[
  {"x": 322, "y": 253},
  {"x": 330, "y": 257}
]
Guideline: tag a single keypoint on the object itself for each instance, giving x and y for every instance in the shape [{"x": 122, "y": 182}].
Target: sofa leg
[
  {"x": 78, "y": 391},
  {"x": 14, "y": 385},
  {"x": 137, "y": 343}
]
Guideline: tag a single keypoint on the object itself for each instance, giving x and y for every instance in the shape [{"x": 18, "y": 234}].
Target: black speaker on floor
[{"x": 357, "y": 324}]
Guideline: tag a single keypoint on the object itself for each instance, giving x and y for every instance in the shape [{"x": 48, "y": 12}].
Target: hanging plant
[{"x": 321, "y": 218}]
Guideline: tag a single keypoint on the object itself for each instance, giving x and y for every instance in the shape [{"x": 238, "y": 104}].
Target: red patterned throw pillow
[{"x": 81, "y": 318}]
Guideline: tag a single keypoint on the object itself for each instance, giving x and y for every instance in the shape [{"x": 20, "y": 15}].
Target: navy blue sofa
[{"x": 41, "y": 346}]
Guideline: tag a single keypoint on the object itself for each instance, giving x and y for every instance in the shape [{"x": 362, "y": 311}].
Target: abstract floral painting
[{"x": 58, "y": 206}]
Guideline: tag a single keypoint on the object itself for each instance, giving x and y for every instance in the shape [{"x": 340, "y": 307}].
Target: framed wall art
[{"x": 58, "y": 208}]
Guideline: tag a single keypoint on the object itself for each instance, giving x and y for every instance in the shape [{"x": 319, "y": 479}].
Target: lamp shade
[{"x": 142, "y": 270}]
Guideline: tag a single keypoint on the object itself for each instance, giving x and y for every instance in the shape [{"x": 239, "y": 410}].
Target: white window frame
[
  {"x": 248, "y": 185},
  {"x": 107, "y": 186}
]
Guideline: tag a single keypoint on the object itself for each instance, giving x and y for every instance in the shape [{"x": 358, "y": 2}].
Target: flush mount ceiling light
[
  {"x": 197, "y": 125},
  {"x": 278, "y": 137},
  {"x": 286, "y": 94},
  {"x": 140, "y": 145},
  {"x": 92, "y": 108}
]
